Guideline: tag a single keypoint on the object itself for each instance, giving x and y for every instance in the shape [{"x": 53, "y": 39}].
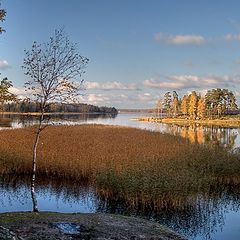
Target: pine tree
[
  {"x": 220, "y": 101},
  {"x": 167, "y": 102},
  {"x": 175, "y": 104}
]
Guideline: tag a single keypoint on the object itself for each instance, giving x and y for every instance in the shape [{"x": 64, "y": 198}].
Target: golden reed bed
[{"x": 137, "y": 164}]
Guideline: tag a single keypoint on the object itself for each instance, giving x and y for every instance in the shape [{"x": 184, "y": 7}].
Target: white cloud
[
  {"x": 17, "y": 91},
  {"x": 121, "y": 100},
  {"x": 232, "y": 37},
  {"x": 152, "y": 83},
  {"x": 237, "y": 93},
  {"x": 180, "y": 39},
  {"x": 111, "y": 86},
  {"x": 108, "y": 98},
  {"x": 139, "y": 98},
  {"x": 96, "y": 98},
  {"x": 146, "y": 97},
  {"x": 192, "y": 81},
  {"x": 202, "y": 92},
  {"x": 4, "y": 65},
  {"x": 105, "y": 99}
]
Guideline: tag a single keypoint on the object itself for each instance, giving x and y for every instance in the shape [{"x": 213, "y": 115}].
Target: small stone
[{"x": 67, "y": 227}]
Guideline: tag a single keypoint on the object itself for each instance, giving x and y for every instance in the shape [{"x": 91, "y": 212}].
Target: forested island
[
  {"x": 214, "y": 104},
  {"x": 217, "y": 106}
]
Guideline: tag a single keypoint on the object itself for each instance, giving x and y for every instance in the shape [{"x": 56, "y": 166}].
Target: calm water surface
[{"x": 216, "y": 216}]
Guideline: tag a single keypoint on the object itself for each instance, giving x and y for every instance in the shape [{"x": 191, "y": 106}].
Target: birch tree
[
  {"x": 175, "y": 104},
  {"x": 55, "y": 71},
  {"x": 167, "y": 102}
]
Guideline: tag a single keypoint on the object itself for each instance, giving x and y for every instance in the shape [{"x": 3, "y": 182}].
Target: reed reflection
[
  {"x": 197, "y": 216},
  {"x": 5, "y": 122}
]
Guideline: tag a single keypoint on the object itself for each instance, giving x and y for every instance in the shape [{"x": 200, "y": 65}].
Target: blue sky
[{"x": 138, "y": 49}]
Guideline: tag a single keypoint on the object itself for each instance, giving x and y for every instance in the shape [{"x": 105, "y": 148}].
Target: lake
[
  {"x": 214, "y": 216},
  {"x": 228, "y": 137}
]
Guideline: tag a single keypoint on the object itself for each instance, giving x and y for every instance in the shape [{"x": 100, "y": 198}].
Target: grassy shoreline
[{"x": 228, "y": 122}]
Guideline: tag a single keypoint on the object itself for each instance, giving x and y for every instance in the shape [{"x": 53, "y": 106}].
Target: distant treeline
[
  {"x": 57, "y": 107},
  {"x": 135, "y": 110}
]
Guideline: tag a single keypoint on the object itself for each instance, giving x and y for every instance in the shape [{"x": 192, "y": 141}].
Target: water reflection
[
  {"x": 5, "y": 122},
  {"x": 22, "y": 121},
  {"x": 216, "y": 135},
  {"x": 199, "y": 217},
  {"x": 52, "y": 195}
]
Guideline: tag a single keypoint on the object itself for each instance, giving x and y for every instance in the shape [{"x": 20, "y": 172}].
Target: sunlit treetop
[{"x": 5, "y": 94}]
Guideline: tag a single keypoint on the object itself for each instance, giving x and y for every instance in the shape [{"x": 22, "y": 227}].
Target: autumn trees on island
[{"x": 216, "y": 103}]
